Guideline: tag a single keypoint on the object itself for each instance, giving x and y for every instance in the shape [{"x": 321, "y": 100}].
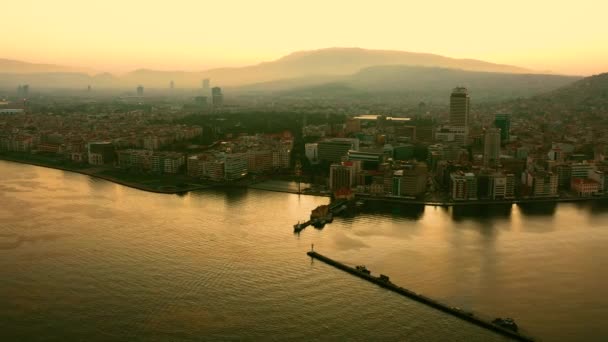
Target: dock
[
  {"x": 332, "y": 209},
  {"x": 383, "y": 281},
  {"x": 298, "y": 227}
]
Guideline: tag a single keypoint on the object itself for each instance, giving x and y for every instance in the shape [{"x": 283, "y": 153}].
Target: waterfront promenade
[{"x": 183, "y": 184}]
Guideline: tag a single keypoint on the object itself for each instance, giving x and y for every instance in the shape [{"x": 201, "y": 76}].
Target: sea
[{"x": 84, "y": 259}]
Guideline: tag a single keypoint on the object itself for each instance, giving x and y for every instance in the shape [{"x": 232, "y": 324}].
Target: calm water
[{"x": 85, "y": 259}]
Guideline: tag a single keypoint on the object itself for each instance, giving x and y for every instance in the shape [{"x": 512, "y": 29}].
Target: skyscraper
[
  {"x": 503, "y": 121},
  {"x": 216, "y": 96},
  {"x": 172, "y": 85},
  {"x": 459, "y": 113},
  {"x": 459, "y": 107},
  {"x": 341, "y": 176},
  {"x": 23, "y": 90},
  {"x": 206, "y": 85},
  {"x": 140, "y": 90},
  {"x": 491, "y": 147}
]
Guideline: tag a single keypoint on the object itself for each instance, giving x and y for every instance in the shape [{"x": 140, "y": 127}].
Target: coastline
[
  {"x": 479, "y": 202},
  {"x": 88, "y": 172},
  {"x": 169, "y": 190}
]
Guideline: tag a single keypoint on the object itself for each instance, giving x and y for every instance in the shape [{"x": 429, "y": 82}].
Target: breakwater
[{"x": 384, "y": 282}]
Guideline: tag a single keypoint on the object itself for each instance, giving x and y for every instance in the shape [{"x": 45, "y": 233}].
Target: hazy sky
[{"x": 119, "y": 35}]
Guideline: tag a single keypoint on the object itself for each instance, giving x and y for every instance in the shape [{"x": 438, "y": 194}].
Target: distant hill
[
  {"x": 342, "y": 61},
  {"x": 19, "y": 67},
  {"x": 313, "y": 64},
  {"x": 427, "y": 83},
  {"x": 587, "y": 96}
]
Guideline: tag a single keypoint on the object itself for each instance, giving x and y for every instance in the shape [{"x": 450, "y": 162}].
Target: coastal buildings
[
  {"x": 585, "y": 187},
  {"x": 235, "y": 166},
  {"x": 491, "y": 147},
  {"x": 541, "y": 183},
  {"x": 460, "y": 114},
  {"x": 99, "y": 153},
  {"x": 334, "y": 150},
  {"x": 414, "y": 178},
  {"x": 167, "y": 162},
  {"x": 463, "y": 186},
  {"x": 341, "y": 176}
]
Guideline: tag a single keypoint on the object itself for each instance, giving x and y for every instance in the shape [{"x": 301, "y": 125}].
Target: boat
[
  {"x": 363, "y": 269},
  {"x": 507, "y": 323}
]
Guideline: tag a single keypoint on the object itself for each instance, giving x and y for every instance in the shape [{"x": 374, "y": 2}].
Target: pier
[
  {"x": 322, "y": 215},
  {"x": 384, "y": 282},
  {"x": 298, "y": 227}
]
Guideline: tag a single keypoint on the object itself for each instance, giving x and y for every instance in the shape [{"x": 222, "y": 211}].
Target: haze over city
[
  {"x": 303, "y": 171},
  {"x": 117, "y": 36}
]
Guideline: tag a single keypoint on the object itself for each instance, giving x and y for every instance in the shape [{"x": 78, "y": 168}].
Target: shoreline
[
  {"x": 133, "y": 185},
  {"x": 366, "y": 197},
  {"x": 479, "y": 202}
]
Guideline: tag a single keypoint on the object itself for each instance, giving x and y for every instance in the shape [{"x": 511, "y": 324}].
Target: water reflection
[
  {"x": 538, "y": 209},
  {"x": 408, "y": 211},
  {"x": 481, "y": 213}
]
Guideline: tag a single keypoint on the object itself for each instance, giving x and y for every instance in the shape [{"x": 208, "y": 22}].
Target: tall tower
[
  {"x": 217, "y": 97},
  {"x": 503, "y": 121},
  {"x": 140, "y": 90},
  {"x": 491, "y": 147},
  {"x": 172, "y": 84},
  {"x": 459, "y": 113},
  {"x": 206, "y": 86}
]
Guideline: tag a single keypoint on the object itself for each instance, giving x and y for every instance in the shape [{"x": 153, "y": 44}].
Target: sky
[{"x": 568, "y": 37}]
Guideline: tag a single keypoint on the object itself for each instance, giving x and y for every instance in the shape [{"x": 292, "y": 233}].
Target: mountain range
[{"x": 346, "y": 71}]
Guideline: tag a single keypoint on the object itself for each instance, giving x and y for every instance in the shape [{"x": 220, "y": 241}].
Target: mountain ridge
[{"x": 329, "y": 61}]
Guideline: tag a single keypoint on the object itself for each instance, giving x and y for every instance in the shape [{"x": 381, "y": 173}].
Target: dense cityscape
[
  {"x": 304, "y": 171},
  {"x": 436, "y": 155}
]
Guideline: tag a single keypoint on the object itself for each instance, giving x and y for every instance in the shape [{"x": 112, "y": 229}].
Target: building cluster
[
  {"x": 255, "y": 154},
  {"x": 130, "y": 143},
  {"x": 97, "y": 139},
  {"x": 460, "y": 160}
]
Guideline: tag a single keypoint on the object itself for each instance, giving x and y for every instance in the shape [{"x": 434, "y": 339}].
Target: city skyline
[{"x": 547, "y": 37}]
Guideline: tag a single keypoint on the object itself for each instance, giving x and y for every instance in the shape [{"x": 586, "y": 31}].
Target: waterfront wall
[{"x": 467, "y": 316}]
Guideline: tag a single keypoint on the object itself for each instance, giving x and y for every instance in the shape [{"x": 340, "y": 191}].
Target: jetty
[
  {"x": 384, "y": 281},
  {"x": 323, "y": 214},
  {"x": 298, "y": 227}
]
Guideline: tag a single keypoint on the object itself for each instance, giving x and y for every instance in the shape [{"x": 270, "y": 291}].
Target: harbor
[{"x": 506, "y": 327}]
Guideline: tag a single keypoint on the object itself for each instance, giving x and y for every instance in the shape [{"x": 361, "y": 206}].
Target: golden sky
[{"x": 119, "y": 35}]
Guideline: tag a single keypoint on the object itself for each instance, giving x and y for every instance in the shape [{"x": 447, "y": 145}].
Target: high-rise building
[
  {"x": 336, "y": 149},
  {"x": 459, "y": 113},
  {"x": 23, "y": 90},
  {"x": 140, "y": 90},
  {"x": 491, "y": 147},
  {"x": 216, "y": 96},
  {"x": 503, "y": 121},
  {"x": 341, "y": 176},
  {"x": 100, "y": 153},
  {"x": 172, "y": 84},
  {"x": 235, "y": 166},
  {"x": 414, "y": 181},
  {"x": 206, "y": 86},
  {"x": 463, "y": 186},
  {"x": 541, "y": 183}
]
